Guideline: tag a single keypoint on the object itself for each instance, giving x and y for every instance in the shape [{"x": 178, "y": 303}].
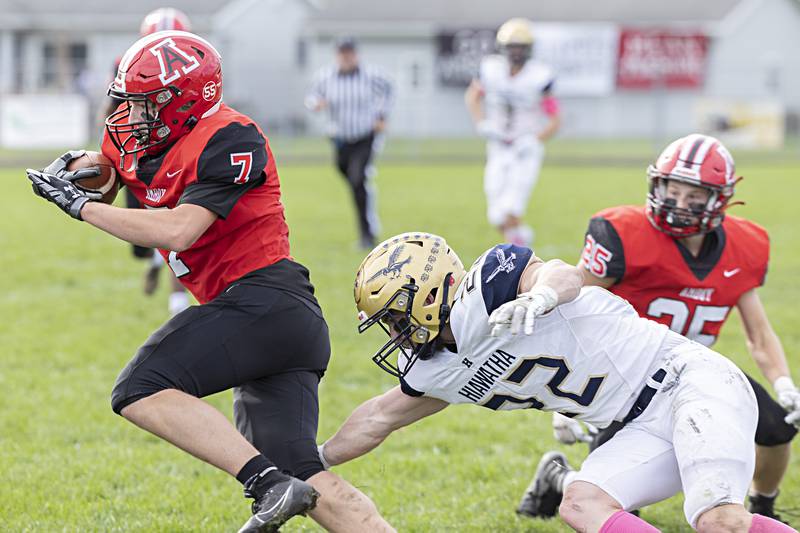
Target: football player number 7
[
  {"x": 244, "y": 160},
  {"x": 178, "y": 267}
]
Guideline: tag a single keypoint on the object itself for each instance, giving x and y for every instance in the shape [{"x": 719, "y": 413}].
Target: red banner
[{"x": 653, "y": 58}]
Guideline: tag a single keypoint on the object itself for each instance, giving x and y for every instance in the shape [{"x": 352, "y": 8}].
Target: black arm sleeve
[
  {"x": 231, "y": 164},
  {"x": 603, "y": 254}
]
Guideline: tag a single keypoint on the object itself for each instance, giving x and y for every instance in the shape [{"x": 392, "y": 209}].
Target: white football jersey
[
  {"x": 513, "y": 104},
  {"x": 588, "y": 358}
]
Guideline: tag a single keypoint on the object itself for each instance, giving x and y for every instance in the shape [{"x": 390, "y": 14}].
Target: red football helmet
[
  {"x": 165, "y": 18},
  {"x": 175, "y": 79},
  {"x": 698, "y": 160}
]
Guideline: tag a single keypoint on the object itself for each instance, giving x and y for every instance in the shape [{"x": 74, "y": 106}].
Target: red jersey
[
  {"x": 666, "y": 283},
  {"x": 225, "y": 165}
]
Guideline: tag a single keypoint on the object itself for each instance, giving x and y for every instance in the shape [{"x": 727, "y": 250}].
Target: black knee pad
[{"x": 771, "y": 430}]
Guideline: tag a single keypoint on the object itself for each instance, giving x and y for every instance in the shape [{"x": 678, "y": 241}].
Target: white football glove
[
  {"x": 489, "y": 131},
  {"x": 569, "y": 431},
  {"x": 518, "y": 315},
  {"x": 789, "y": 399}
]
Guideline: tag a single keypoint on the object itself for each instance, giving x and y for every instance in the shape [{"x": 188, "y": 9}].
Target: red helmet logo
[{"x": 173, "y": 61}]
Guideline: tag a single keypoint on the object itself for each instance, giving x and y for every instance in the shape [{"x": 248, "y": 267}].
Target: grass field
[{"x": 73, "y": 314}]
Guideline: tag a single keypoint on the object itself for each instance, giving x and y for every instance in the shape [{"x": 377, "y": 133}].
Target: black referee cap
[{"x": 346, "y": 42}]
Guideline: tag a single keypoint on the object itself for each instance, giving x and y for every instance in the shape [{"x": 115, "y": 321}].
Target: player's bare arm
[
  {"x": 542, "y": 286},
  {"x": 767, "y": 351},
  {"x": 590, "y": 279},
  {"x": 566, "y": 280},
  {"x": 169, "y": 229},
  {"x": 550, "y": 108},
  {"x": 373, "y": 421},
  {"x": 473, "y": 98}
]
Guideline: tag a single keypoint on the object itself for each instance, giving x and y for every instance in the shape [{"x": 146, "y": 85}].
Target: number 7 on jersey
[{"x": 245, "y": 161}]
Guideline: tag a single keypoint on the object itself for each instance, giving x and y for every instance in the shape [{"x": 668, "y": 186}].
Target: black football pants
[
  {"x": 352, "y": 160},
  {"x": 268, "y": 344}
]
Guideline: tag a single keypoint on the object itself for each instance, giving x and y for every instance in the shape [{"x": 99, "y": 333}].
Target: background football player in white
[
  {"x": 512, "y": 106},
  {"x": 690, "y": 413}
]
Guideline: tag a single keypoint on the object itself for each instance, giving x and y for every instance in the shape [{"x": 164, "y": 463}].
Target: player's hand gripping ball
[{"x": 93, "y": 172}]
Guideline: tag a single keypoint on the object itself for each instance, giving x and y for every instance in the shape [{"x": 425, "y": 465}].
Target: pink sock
[
  {"x": 622, "y": 522},
  {"x": 762, "y": 524}
]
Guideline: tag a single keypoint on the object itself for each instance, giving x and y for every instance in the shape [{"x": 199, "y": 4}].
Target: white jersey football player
[
  {"x": 512, "y": 106},
  {"x": 515, "y": 332}
]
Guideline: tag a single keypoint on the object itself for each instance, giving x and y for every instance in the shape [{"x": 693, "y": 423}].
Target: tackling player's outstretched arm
[
  {"x": 542, "y": 286},
  {"x": 767, "y": 351},
  {"x": 169, "y": 229},
  {"x": 373, "y": 421},
  {"x": 590, "y": 279},
  {"x": 564, "y": 279}
]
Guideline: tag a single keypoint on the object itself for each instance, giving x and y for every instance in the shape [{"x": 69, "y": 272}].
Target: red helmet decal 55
[
  {"x": 700, "y": 161},
  {"x": 168, "y": 81}
]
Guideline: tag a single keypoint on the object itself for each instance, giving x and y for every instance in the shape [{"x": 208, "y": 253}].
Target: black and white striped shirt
[{"x": 355, "y": 99}]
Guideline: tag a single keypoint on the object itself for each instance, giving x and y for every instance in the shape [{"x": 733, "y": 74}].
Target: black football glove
[
  {"x": 58, "y": 168},
  {"x": 67, "y": 196}
]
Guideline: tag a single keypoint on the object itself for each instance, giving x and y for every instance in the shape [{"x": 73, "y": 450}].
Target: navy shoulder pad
[{"x": 501, "y": 272}]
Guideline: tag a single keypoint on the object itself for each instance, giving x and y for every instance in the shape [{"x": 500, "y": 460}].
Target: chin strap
[{"x": 444, "y": 309}]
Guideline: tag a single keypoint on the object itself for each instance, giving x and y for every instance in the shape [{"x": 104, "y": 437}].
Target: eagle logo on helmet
[
  {"x": 394, "y": 267},
  {"x": 168, "y": 54}
]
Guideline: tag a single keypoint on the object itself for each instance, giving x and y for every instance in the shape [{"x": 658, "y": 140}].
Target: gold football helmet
[
  {"x": 407, "y": 285},
  {"x": 515, "y": 39}
]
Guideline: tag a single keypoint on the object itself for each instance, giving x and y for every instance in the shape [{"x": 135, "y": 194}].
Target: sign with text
[
  {"x": 582, "y": 56},
  {"x": 661, "y": 58}
]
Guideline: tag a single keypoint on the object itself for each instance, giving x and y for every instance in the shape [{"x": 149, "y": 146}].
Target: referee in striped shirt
[{"x": 358, "y": 98}]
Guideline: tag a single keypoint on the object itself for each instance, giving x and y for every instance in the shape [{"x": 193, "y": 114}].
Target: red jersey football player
[
  {"x": 681, "y": 260},
  {"x": 161, "y": 19},
  {"x": 208, "y": 179}
]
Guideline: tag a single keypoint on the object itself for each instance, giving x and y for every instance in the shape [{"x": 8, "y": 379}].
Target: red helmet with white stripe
[
  {"x": 164, "y": 18},
  {"x": 698, "y": 160},
  {"x": 169, "y": 81}
]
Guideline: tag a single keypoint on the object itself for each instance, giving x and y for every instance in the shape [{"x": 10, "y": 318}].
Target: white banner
[
  {"x": 583, "y": 56},
  {"x": 43, "y": 121}
]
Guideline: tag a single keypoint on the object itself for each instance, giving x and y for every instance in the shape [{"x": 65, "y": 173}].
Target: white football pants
[
  {"x": 510, "y": 175},
  {"x": 697, "y": 435}
]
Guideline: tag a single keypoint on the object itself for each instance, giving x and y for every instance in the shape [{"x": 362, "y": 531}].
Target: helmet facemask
[
  {"x": 666, "y": 216},
  {"x": 412, "y": 340},
  {"x": 517, "y": 53},
  {"x": 148, "y": 134}
]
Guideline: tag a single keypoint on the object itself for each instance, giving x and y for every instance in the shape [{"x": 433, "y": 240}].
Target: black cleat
[
  {"x": 543, "y": 495},
  {"x": 763, "y": 505},
  {"x": 278, "y": 502}
]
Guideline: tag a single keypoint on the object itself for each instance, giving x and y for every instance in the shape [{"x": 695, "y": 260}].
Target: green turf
[{"x": 73, "y": 314}]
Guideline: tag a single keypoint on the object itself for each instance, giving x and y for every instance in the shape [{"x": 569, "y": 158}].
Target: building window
[{"x": 64, "y": 65}]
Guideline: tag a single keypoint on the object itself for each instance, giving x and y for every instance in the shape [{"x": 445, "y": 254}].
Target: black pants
[
  {"x": 266, "y": 337},
  {"x": 352, "y": 160},
  {"x": 770, "y": 431}
]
